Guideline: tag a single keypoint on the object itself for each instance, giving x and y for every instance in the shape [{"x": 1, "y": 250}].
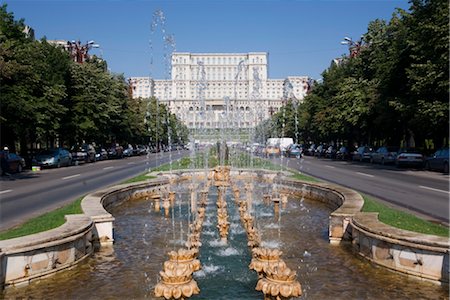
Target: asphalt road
[
  {"x": 424, "y": 193},
  {"x": 30, "y": 194},
  {"x": 34, "y": 193}
]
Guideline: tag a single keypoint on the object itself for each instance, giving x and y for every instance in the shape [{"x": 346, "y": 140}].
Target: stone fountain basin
[{"x": 27, "y": 258}]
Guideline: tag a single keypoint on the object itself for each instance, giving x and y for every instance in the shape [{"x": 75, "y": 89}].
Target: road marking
[
  {"x": 330, "y": 167},
  {"x": 364, "y": 174},
  {"x": 5, "y": 191},
  {"x": 432, "y": 189},
  {"x": 131, "y": 163},
  {"x": 106, "y": 168},
  {"x": 71, "y": 176}
]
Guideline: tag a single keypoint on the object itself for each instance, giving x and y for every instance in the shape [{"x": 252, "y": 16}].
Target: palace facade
[{"x": 221, "y": 90}]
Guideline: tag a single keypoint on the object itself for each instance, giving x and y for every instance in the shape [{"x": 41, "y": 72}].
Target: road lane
[
  {"x": 34, "y": 195},
  {"x": 423, "y": 192}
]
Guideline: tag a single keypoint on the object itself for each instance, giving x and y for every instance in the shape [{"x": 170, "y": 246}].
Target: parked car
[
  {"x": 272, "y": 151},
  {"x": 363, "y": 153},
  {"x": 311, "y": 150},
  {"x": 128, "y": 151},
  {"x": 57, "y": 157},
  {"x": 439, "y": 161},
  {"x": 330, "y": 152},
  {"x": 320, "y": 151},
  {"x": 14, "y": 163},
  {"x": 294, "y": 151},
  {"x": 142, "y": 150},
  {"x": 79, "y": 155},
  {"x": 409, "y": 157},
  {"x": 101, "y": 154},
  {"x": 90, "y": 152},
  {"x": 115, "y": 151},
  {"x": 384, "y": 155},
  {"x": 343, "y": 153}
]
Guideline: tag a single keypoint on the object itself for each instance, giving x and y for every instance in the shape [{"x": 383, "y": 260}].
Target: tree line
[
  {"x": 395, "y": 91},
  {"x": 47, "y": 99}
]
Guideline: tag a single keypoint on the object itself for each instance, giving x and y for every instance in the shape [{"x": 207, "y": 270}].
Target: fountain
[
  {"x": 222, "y": 223},
  {"x": 166, "y": 206},
  {"x": 157, "y": 203},
  {"x": 193, "y": 190},
  {"x": 279, "y": 283},
  {"x": 257, "y": 258},
  {"x": 172, "y": 196},
  {"x": 177, "y": 282},
  {"x": 264, "y": 258},
  {"x": 222, "y": 176},
  {"x": 276, "y": 207},
  {"x": 183, "y": 257}
]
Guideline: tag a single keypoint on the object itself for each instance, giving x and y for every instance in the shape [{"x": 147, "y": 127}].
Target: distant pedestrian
[{"x": 4, "y": 162}]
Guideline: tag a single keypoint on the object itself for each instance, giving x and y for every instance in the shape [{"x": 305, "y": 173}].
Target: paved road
[
  {"x": 34, "y": 193},
  {"x": 31, "y": 194},
  {"x": 423, "y": 192}
]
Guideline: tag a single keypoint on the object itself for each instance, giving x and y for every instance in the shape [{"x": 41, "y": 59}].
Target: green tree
[{"x": 32, "y": 86}]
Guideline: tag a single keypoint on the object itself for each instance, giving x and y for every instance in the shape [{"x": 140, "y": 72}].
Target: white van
[{"x": 285, "y": 143}]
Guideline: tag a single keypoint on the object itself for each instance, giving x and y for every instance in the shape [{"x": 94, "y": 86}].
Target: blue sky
[{"x": 302, "y": 37}]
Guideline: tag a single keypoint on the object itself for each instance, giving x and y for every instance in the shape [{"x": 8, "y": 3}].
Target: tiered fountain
[
  {"x": 176, "y": 278},
  {"x": 279, "y": 283},
  {"x": 276, "y": 280}
]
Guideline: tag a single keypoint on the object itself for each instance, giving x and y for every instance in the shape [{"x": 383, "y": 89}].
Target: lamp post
[
  {"x": 353, "y": 47},
  {"x": 79, "y": 52}
]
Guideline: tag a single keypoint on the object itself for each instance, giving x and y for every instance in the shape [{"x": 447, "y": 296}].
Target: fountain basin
[{"x": 423, "y": 256}]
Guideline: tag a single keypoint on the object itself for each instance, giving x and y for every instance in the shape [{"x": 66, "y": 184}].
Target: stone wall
[
  {"x": 38, "y": 255},
  {"x": 419, "y": 255},
  {"x": 95, "y": 205},
  {"x": 26, "y": 258}
]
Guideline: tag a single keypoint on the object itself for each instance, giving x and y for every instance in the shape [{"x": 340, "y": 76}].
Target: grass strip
[
  {"x": 183, "y": 163},
  {"x": 141, "y": 177},
  {"x": 403, "y": 220},
  {"x": 44, "y": 222},
  {"x": 304, "y": 177}
]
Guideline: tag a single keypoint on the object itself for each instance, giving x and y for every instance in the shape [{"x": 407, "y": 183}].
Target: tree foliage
[
  {"x": 49, "y": 100},
  {"x": 394, "y": 92}
]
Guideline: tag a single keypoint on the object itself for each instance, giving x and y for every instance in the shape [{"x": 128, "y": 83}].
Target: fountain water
[{"x": 132, "y": 269}]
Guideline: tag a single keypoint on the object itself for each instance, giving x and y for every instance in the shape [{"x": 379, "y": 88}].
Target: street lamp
[
  {"x": 79, "y": 52},
  {"x": 353, "y": 47}
]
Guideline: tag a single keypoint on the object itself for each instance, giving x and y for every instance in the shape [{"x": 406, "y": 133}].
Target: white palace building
[{"x": 232, "y": 88}]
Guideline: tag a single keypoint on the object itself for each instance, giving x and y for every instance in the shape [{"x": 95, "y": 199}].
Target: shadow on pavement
[{"x": 20, "y": 176}]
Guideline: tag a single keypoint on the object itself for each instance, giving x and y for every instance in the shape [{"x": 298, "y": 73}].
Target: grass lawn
[
  {"x": 138, "y": 178},
  {"x": 44, "y": 222},
  {"x": 403, "y": 220},
  {"x": 304, "y": 177}
]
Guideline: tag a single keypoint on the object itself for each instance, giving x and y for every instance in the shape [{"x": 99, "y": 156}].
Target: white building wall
[{"x": 221, "y": 80}]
